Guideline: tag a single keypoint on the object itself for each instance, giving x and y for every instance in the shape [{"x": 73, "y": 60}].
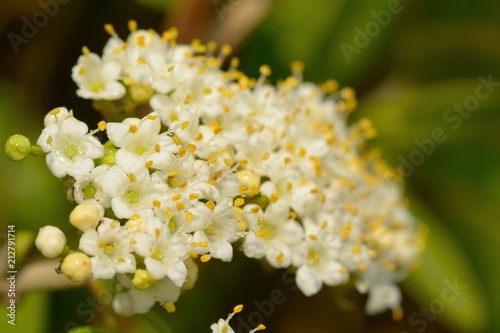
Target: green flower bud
[{"x": 17, "y": 147}]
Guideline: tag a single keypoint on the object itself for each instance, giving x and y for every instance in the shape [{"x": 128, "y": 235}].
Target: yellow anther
[
  {"x": 203, "y": 244},
  {"x": 329, "y": 86},
  {"x": 49, "y": 140},
  {"x": 313, "y": 237},
  {"x": 280, "y": 257},
  {"x": 260, "y": 220},
  {"x": 226, "y": 50},
  {"x": 346, "y": 230},
  {"x": 157, "y": 147},
  {"x": 287, "y": 160},
  {"x": 274, "y": 197},
  {"x": 194, "y": 196},
  {"x": 249, "y": 128},
  {"x": 235, "y": 62},
  {"x": 181, "y": 152},
  {"x": 109, "y": 29},
  {"x": 141, "y": 41},
  {"x": 192, "y": 148},
  {"x": 207, "y": 91},
  {"x": 170, "y": 35},
  {"x": 302, "y": 152},
  {"x": 228, "y": 162},
  {"x": 343, "y": 270},
  {"x": 210, "y": 205},
  {"x": 148, "y": 164},
  {"x": 351, "y": 208},
  {"x": 132, "y": 177},
  {"x": 205, "y": 258},
  {"x": 362, "y": 267},
  {"x": 239, "y": 202},
  {"x": 198, "y": 136},
  {"x": 141, "y": 60},
  {"x": 188, "y": 217},
  {"x": 266, "y": 156},
  {"x": 128, "y": 81},
  {"x": 259, "y": 233},
  {"x": 289, "y": 186},
  {"x": 156, "y": 203},
  {"x": 101, "y": 125},
  {"x": 132, "y": 128},
  {"x": 180, "y": 205},
  {"x": 174, "y": 173},
  {"x": 188, "y": 99},
  {"x": 170, "y": 307},
  {"x": 255, "y": 209},
  {"x": 55, "y": 111},
  {"x": 157, "y": 232},
  {"x": 238, "y": 308},
  {"x": 132, "y": 25},
  {"x": 192, "y": 254},
  {"x": 356, "y": 249},
  {"x": 211, "y": 181},
  {"x": 217, "y": 175},
  {"x": 293, "y": 215},
  {"x": 297, "y": 66},
  {"x": 85, "y": 51},
  {"x": 265, "y": 70},
  {"x": 176, "y": 197},
  {"x": 212, "y": 160},
  {"x": 168, "y": 212}
]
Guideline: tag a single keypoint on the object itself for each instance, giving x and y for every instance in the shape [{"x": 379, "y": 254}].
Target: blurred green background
[{"x": 412, "y": 64}]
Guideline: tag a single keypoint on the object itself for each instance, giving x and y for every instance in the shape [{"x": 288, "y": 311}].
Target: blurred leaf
[
  {"x": 30, "y": 315},
  {"x": 444, "y": 263}
]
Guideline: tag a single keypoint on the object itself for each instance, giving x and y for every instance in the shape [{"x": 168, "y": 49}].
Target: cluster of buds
[{"x": 198, "y": 158}]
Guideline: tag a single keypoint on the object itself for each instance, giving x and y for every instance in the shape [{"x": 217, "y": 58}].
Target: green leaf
[
  {"x": 445, "y": 264},
  {"x": 30, "y": 314}
]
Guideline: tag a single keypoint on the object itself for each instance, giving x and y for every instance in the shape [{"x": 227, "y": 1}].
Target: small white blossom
[{"x": 71, "y": 149}]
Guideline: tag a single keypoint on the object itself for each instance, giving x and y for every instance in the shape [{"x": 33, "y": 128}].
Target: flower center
[
  {"x": 141, "y": 150},
  {"x": 71, "y": 151},
  {"x": 89, "y": 191},
  {"x": 313, "y": 257},
  {"x": 268, "y": 231},
  {"x": 132, "y": 197},
  {"x": 157, "y": 254}
]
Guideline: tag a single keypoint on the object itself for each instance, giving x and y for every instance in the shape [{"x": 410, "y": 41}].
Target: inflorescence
[{"x": 198, "y": 158}]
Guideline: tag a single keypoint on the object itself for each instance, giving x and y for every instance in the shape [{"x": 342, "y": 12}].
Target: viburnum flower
[
  {"x": 71, "y": 149},
  {"x": 109, "y": 249},
  {"x": 97, "y": 78}
]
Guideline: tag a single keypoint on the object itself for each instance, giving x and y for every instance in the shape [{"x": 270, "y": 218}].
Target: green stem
[
  {"x": 154, "y": 320},
  {"x": 37, "y": 151}
]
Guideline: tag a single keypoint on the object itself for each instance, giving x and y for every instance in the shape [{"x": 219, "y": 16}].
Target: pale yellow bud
[
  {"x": 85, "y": 217},
  {"x": 76, "y": 266}
]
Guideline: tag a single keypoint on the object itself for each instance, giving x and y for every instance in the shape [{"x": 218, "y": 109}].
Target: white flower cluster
[{"x": 219, "y": 157}]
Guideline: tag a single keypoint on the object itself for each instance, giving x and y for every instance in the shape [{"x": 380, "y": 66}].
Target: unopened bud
[
  {"x": 50, "y": 241},
  {"x": 17, "y": 147},
  {"x": 76, "y": 266},
  {"x": 85, "y": 217}
]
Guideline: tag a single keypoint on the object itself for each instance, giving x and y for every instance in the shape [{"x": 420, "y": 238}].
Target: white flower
[
  {"x": 50, "y": 241},
  {"x": 71, "y": 149},
  {"x": 97, "y": 79},
  {"x": 139, "y": 140},
  {"x": 273, "y": 235},
  {"x": 218, "y": 233},
  {"x": 135, "y": 300},
  {"x": 109, "y": 248},
  {"x": 164, "y": 254},
  {"x": 382, "y": 297},
  {"x": 88, "y": 187},
  {"x": 131, "y": 191}
]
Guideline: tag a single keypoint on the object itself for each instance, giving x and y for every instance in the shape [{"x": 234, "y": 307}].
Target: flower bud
[
  {"x": 85, "y": 217},
  {"x": 50, "y": 241},
  {"x": 76, "y": 266},
  {"x": 17, "y": 147}
]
